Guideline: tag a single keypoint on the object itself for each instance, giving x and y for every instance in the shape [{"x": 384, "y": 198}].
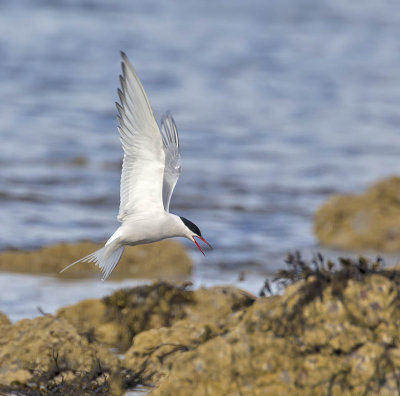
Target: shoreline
[{"x": 330, "y": 325}]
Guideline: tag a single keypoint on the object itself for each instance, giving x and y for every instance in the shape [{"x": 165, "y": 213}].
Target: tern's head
[{"x": 192, "y": 231}]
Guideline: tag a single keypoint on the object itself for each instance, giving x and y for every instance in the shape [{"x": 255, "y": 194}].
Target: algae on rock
[
  {"x": 213, "y": 312},
  {"x": 165, "y": 259},
  {"x": 332, "y": 332},
  {"x": 116, "y": 319},
  {"x": 47, "y": 353},
  {"x": 4, "y": 319},
  {"x": 370, "y": 221}
]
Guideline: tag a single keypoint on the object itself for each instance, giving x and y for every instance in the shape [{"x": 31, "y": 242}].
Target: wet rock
[
  {"x": 4, "y": 319},
  {"x": 155, "y": 349},
  {"x": 48, "y": 354},
  {"x": 164, "y": 259},
  {"x": 212, "y": 313},
  {"x": 333, "y": 331},
  {"x": 370, "y": 221},
  {"x": 330, "y": 333},
  {"x": 116, "y": 319},
  {"x": 217, "y": 303}
]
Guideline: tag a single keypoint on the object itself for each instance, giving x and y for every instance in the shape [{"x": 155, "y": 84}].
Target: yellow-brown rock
[
  {"x": 47, "y": 353},
  {"x": 4, "y": 319},
  {"x": 218, "y": 302},
  {"x": 116, "y": 319},
  {"x": 154, "y": 350},
  {"x": 213, "y": 312},
  {"x": 162, "y": 260},
  {"x": 331, "y": 332},
  {"x": 325, "y": 335},
  {"x": 370, "y": 221}
]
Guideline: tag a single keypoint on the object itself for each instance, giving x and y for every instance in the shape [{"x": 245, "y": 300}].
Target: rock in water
[
  {"x": 47, "y": 353},
  {"x": 4, "y": 319},
  {"x": 332, "y": 332},
  {"x": 362, "y": 222},
  {"x": 164, "y": 259},
  {"x": 116, "y": 319}
]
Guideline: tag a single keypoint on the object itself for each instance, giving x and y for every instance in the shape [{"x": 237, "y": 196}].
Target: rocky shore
[
  {"x": 369, "y": 221},
  {"x": 333, "y": 331},
  {"x": 162, "y": 260}
]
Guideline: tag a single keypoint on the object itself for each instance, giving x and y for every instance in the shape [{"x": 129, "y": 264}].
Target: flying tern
[{"x": 150, "y": 171}]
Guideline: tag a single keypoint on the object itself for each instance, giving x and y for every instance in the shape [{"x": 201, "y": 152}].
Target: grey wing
[{"x": 172, "y": 169}]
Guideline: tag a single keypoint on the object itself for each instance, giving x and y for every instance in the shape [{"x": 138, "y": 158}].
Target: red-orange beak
[{"x": 194, "y": 240}]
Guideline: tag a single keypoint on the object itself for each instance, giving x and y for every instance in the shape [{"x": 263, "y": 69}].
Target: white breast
[{"x": 136, "y": 230}]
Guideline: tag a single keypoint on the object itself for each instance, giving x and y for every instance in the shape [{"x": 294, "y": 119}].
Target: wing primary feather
[
  {"x": 169, "y": 130},
  {"x": 124, "y": 121},
  {"x": 124, "y": 127},
  {"x": 144, "y": 158},
  {"x": 122, "y": 79},
  {"x": 127, "y": 64},
  {"x": 176, "y": 136},
  {"x": 120, "y": 111},
  {"x": 121, "y": 96},
  {"x": 172, "y": 170}
]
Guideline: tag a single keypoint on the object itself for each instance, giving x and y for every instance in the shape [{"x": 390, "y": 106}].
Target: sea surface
[{"x": 279, "y": 104}]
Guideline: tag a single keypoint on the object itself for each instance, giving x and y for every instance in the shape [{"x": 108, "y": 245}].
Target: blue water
[{"x": 278, "y": 105}]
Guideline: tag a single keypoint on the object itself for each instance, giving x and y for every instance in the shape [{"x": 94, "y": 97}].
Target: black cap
[{"x": 192, "y": 227}]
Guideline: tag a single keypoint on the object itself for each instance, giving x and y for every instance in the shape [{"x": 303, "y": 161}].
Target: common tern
[{"x": 150, "y": 171}]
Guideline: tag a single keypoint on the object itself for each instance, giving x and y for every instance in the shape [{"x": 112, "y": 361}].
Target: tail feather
[
  {"x": 105, "y": 258},
  {"x": 107, "y": 266}
]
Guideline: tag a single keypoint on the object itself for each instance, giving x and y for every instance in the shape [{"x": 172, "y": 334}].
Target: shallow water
[{"x": 278, "y": 105}]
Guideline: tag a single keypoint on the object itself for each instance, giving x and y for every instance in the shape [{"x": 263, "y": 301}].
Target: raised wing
[
  {"x": 172, "y": 169},
  {"x": 144, "y": 157}
]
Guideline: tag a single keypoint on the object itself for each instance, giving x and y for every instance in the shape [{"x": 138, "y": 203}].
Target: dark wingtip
[
  {"x": 121, "y": 95},
  {"x": 123, "y": 67}
]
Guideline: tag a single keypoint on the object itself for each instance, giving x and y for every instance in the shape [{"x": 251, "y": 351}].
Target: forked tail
[{"x": 105, "y": 258}]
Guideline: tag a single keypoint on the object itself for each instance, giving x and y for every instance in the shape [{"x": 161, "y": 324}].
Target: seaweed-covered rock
[
  {"x": 153, "y": 351},
  {"x": 116, "y": 319},
  {"x": 332, "y": 332},
  {"x": 217, "y": 303},
  {"x": 4, "y": 319},
  {"x": 48, "y": 354},
  {"x": 213, "y": 312},
  {"x": 370, "y": 221},
  {"x": 165, "y": 259}
]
